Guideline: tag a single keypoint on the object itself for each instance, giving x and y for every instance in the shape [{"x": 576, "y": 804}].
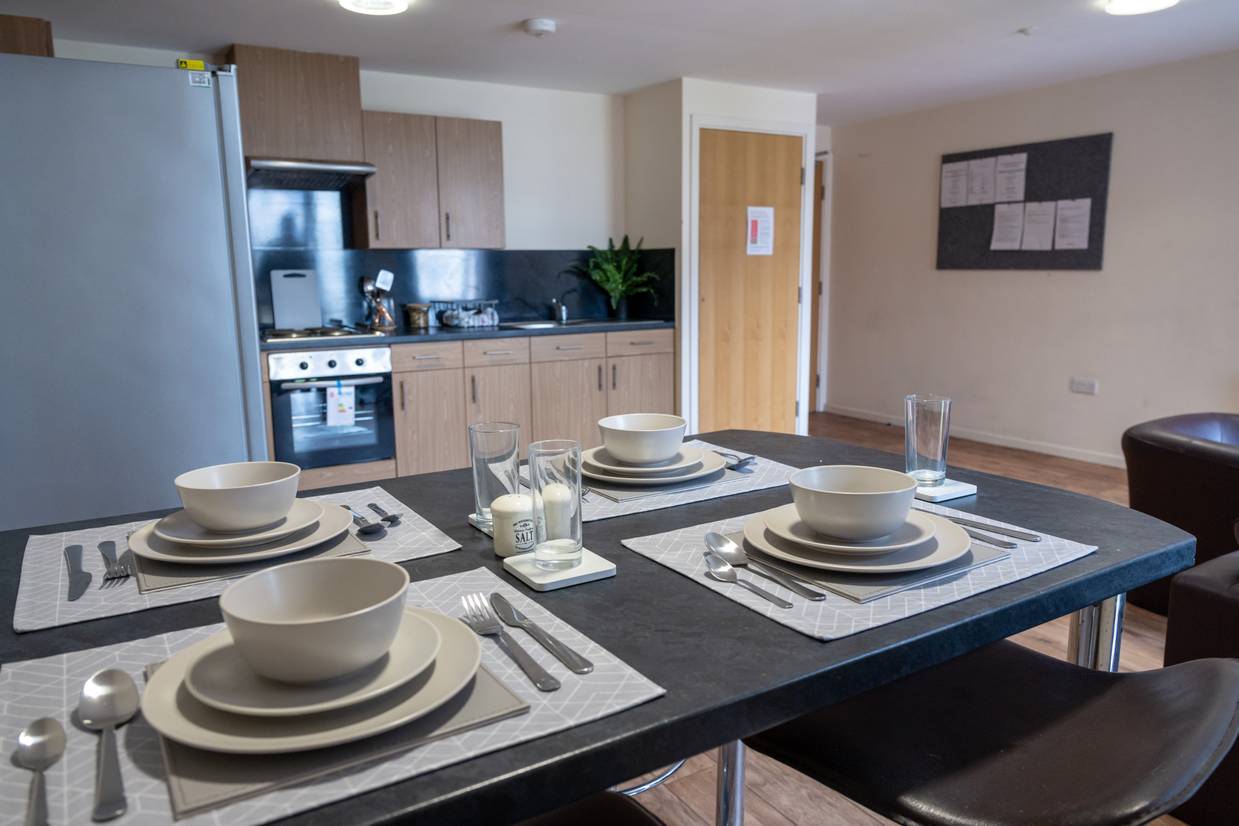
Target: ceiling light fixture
[
  {"x": 1126, "y": 7},
  {"x": 539, "y": 26},
  {"x": 375, "y": 6}
]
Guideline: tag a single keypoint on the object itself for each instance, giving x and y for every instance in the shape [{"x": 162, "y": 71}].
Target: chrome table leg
[
  {"x": 1096, "y": 634},
  {"x": 729, "y": 802}
]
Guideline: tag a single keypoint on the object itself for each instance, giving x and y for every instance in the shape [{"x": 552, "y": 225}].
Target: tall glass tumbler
[
  {"x": 926, "y": 428},
  {"x": 555, "y": 473},
  {"x": 494, "y": 448}
]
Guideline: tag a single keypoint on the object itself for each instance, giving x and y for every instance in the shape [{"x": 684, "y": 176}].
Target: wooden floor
[{"x": 777, "y": 796}]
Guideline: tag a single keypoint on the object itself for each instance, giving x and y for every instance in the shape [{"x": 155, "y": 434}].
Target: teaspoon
[
  {"x": 723, "y": 572},
  {"x": 109, "y": 699},
  {"x": 364, "y": 526},
  {"x": 735, "y": 555},
  {"x": 39, "y": 746},
  {"x": 392, "y": 519}
]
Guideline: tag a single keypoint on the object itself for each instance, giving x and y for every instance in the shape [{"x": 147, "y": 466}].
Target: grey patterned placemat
[
  {"x": 837, "y": 616},
  {"x": 42, "y": 599},
  {"x": 766, "y": 473},
  {"x": 49, "y": 687}
]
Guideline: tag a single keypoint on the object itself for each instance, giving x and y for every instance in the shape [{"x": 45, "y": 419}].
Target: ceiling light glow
[
  {"x": 1125, "y": 7},
  {"x": 375, "y": 6}
]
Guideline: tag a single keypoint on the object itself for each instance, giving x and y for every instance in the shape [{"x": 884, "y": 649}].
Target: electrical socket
[{"x": 1085, "y": 384}]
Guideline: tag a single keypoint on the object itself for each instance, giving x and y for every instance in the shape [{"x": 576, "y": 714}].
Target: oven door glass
[{"x": 302, "y": 435}]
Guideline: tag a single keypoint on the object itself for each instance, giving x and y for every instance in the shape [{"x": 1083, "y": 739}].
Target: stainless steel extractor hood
[{"x": 272, "y": 173}]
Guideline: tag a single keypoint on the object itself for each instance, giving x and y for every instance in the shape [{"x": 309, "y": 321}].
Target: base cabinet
[
  {"x": 499, "y": 393},
  {"x": 569, "y": 397},
  {"x": 641, "y": 384},
  {"x": 430, "y": 421}
]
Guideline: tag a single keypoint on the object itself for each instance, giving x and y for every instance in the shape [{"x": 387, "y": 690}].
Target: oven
[{"x": 332, "y": 407}]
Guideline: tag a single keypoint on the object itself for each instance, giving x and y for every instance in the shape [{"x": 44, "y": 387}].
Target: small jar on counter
[
  {"x": 417, "y": 316},
  {"x": 512, "y": 524}
]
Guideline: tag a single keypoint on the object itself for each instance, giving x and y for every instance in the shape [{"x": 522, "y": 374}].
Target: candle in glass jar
[
  {"x": 512, "y": 524},
  {"x": 558, "y": 507}
]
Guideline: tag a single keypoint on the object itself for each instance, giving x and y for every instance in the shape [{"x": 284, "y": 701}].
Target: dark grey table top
[
  {"x": 728, "y": 671},
  {"x": 404, "y": 336}
]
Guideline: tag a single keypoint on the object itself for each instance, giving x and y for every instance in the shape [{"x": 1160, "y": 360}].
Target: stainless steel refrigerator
[{"x": 128, "y": 336}]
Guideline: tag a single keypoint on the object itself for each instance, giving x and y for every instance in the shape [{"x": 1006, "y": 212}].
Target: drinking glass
[
  {"x": 926, "y": 428},
  {"x": 555, "y": 473},
  {"x": 494, "y": 448}
]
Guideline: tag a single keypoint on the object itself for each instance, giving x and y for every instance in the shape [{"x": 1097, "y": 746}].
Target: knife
[
  {"x": 990, "y": 540},
  {"x": 985, "y": 526},
  {"x": 507, "y": 612},
  {"x": 79, "y": 578}
]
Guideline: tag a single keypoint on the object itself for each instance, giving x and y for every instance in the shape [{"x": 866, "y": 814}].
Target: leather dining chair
[
  {"x": 605, "y": 809},
  {"x": 1004, "y": 735},
  {"x": 1185, "y": 470}
]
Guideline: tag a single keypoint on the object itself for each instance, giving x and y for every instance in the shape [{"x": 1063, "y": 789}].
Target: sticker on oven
[{"x": 341, "y": 405}]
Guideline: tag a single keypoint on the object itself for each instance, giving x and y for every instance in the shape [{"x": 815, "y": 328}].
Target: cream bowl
[
  {"x": 308, "y": 621},
  {"x": 642, "y": 438},
  {"x": 239, "y": 496},
  {"x": 852, "y": 501}
]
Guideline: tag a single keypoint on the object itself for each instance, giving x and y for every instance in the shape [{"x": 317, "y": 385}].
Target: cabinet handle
[
  {"x": 447, "y": 217},
  {"x": 473, "y": 384},
  {"x": 599, "y": 376},
  {"x": 426, "y": 358},
  {"x": 569, "y": 347},
  {"x": 497, "y": 352},
  {"x": 614, "y": 370},
  {"x": 402, "y": 402},
  {"x": 377, "y": 235},
  {"x": 640, "y": 343}
]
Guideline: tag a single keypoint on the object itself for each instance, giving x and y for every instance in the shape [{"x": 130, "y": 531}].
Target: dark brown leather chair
[
  {"x": 1005, "y": 735},
  {"x": 1204, "y": 622},
  {"x": 605, "y": 809},
  {"x": 1185, "y": 470}
]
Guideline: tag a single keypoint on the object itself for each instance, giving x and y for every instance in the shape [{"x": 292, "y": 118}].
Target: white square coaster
[
  {"x": 592, "y": 567},
  {"x": 949, "y": 489}
]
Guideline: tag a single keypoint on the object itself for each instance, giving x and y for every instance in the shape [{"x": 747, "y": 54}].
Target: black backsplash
[{"x": 305, "y": 230}]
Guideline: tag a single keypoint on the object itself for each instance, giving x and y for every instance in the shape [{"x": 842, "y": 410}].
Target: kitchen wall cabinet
[
  {"x": 26, "y": 35},
  {"x": 298, "y": 105},
  {"x": 430, "y": 421},
  {"x": 470, "y": 158},
  {"x": 402, "y": 197}
]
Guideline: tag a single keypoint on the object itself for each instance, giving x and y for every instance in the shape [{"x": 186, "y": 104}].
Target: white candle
[
  {"x": 512, "y": 524},
  {"x": 558, "y": 507}
]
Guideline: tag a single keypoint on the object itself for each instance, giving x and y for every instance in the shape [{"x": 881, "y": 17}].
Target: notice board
[{"x": 1032, "y": 206}]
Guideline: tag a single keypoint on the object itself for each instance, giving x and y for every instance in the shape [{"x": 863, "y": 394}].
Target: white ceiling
[{"x": 866, "y": 58}]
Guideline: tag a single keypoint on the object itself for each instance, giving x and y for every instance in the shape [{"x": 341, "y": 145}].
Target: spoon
[
  {"x": 735, "y": 555},
  {"x": 109, "y": 699},
  {"x": 723, "y": 572},
  {"x": 392, "y": 519},
  {"x": 39, "y": 746},
  {"x": 364, "y": 526}
]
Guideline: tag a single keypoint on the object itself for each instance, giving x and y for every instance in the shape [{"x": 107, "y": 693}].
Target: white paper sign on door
[
  {"x": 341, "y": 406},
  {"x": 759, "y": 239}
]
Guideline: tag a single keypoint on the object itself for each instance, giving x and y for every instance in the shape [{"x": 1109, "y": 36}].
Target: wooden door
[
  {"x": 298, "y": 105},
  {"x": 748, "y": 303},
  {"x": 470, "y": 182},
  {"x": 430, "y": 421},
  {"x": 499, "y": 394},
  {"x": 815, "y": 324},
  {"x": 402, "y": 197},
  {"x": 569, "y": 397},
  {"x": 641, "y": 384},
  {"x": 26, "y": 35}
]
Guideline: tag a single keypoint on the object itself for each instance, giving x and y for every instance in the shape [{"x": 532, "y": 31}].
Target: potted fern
[{"x": 615, "y": 270}]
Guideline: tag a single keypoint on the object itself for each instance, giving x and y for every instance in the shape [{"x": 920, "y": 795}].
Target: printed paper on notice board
[{"x": 760, "y": 231}]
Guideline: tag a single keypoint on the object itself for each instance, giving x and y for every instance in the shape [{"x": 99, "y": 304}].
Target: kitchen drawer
[
  {"x": 640, "y": 342},
  {"x": 568, "y": 348},
  {"x": 438, "y": 355},
  {"x": 490, "y": 351}
]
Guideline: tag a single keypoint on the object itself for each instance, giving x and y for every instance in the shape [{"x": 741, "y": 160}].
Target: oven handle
[{"x": 306, "y": 385}]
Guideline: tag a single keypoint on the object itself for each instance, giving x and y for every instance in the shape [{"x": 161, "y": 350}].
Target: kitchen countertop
[{"x": 463, "y": 333}]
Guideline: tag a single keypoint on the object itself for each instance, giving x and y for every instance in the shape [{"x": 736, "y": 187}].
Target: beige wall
[{"x": 1158, "y": 326}]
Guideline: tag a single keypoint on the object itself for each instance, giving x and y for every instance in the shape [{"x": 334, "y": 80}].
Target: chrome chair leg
[
  {"x": 729, "y": 801},
  {"x": 662, "y": 777}
]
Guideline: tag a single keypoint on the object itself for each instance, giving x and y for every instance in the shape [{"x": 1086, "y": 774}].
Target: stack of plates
[
  {"x": 177, "y": 538},
  {"x": 206, "y": 697},
  {"x": 687, "y": 464},
  {"x": 925, "y": 540}
]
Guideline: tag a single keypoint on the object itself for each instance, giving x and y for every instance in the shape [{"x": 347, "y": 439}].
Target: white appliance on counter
[{"x": 124, "y": 199}]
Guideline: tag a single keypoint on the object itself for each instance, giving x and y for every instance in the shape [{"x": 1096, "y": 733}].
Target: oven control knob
[
  {"x": 359, "y": 362},
  {"x": 331, "y": 363},
  {"x": 305, "y": 365}
]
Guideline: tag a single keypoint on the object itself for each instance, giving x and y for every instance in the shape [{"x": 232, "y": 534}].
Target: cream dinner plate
[
  {"x": 711, "y": 462},
  {"x": 178, "y": 527},
  {"x": 220, "y": 677},
  {"x": 334, "y": 521},
  {"x": 786, "y": 523},
  {"x": 604, "y": 462},
  {"x": 948, "y": 544},
  {"x": 172, "y": 711}
]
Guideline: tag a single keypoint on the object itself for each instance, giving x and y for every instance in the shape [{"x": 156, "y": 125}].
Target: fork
[
  {"x": 484, "y": 623},
  {"x": 114, "y": 572},
  {"x": 738, "y": 463}
]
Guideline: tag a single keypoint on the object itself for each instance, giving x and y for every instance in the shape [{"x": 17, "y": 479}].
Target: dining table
[{"x": 728, "y": 671}]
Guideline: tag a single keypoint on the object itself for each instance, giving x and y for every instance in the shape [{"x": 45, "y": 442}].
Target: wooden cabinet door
[
  {"x": 470, "y": 182},
  {"x": 569, "y": 397},
  {"x": 430, "y": 421},
  {"x": 298, "y": 105},
  {"x": 499, "y": 393},
  {"x": 402, "y": 197},
  {"x": 641, "y": 384}
]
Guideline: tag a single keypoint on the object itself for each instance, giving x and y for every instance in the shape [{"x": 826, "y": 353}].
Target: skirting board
[{"x": 1094, "y": 456}]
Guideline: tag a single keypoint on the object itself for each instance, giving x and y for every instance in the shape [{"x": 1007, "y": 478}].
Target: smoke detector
[{"x": 539, "y": 26}]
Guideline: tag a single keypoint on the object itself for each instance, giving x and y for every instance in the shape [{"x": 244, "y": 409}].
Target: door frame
[
  {"x": 690, "y": 363},
  {"x": 823, "y": 322}
]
